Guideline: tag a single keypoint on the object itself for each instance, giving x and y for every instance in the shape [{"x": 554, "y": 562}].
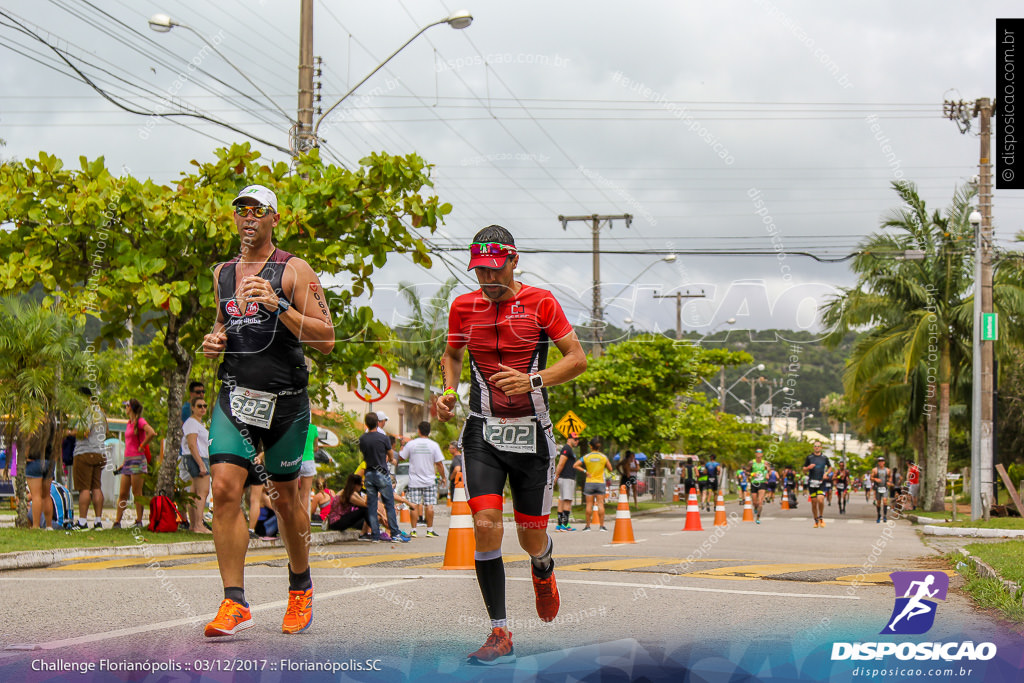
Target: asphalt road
[{"x": 762, "y": 598}]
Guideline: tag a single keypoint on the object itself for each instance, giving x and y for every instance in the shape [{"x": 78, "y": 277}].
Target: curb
[
  {"x": 930, "y": 530},
  {"x": 35, "y": 559},
  {"x": 987, "y": 571}
]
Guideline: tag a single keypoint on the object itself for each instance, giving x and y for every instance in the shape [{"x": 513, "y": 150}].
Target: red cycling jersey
[{"x": 513, "y": 333}]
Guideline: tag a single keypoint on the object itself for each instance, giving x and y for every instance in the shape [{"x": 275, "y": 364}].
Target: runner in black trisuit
[
  {"x": 269, "y": 304},
  {"x": 842, "y": 480},
  {"x": 815, "y": 465}
]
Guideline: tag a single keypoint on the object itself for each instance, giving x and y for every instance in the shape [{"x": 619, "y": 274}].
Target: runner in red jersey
[{"x": 506, "y": 326}]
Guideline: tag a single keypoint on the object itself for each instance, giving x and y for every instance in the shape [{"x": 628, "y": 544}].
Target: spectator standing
[
  {"x": 565, "y": 474},
  {"x": 195, "y": 446},
  {"x": 627, "y": 474},
  {"x": 377, "y": 452},
  {"x": 307, "y": 470},
  {"x": 137, "y": 435},
  {"x": 90, "y": 456},
  {"x": 458, "y": 463},
  {"x": 195, "y": 390},
  {"x": 425, "y": 458},
  {"x": 39, "y": 473},
  {"x": 594, "y": 463},
  {"x": 914, "y": 483}
]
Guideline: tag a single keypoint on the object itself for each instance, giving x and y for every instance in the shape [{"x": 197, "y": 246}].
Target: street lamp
[
  {"x": 162, "y": 23},
  {"x": 768, "y": 402},
  {"x": 665, "y": 259},
  {"x": 981, "y": 411},
  {"x": 722, "y": 390},
  {"x": 459, "y": 20}
]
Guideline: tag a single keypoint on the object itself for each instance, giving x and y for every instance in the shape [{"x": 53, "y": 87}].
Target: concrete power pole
[
  {"x": 983, "y": 109},
  {"x": 983, "y": 408},
  {"x": 597, "y": 312},
  {"x": 679, "y": 296},
  {"x": 302, "y": 139}
]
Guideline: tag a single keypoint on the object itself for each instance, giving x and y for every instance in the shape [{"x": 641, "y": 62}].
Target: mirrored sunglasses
[
  {"x": 491, "y": 249},
  {"x": 258, "y": 211}
]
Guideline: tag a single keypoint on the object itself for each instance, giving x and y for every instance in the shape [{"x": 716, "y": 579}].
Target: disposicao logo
[
  {"x": 916, "y": 593},
  {"x": 914, "y": 614}
]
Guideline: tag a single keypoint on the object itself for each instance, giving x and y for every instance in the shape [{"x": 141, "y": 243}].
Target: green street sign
[{"x": 989, "y": 326}]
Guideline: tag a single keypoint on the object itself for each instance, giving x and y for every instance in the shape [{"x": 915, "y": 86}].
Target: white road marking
[{"x": 175, "y": 623}]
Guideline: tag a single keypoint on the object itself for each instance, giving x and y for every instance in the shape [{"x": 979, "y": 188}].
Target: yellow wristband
[{"x": 449, "y": 390}]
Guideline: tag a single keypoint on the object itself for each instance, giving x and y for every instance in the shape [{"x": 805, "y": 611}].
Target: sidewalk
[{"x": 35, "y": 559}]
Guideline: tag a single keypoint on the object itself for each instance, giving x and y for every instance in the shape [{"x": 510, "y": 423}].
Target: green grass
[
  {"x": 964, "y": 521},
  {"x": 930, "y": 515},
  {"x": 12, "y": 540},
  {"x": 988, "y": 593},
  {"x": 1007, "y": 558}
]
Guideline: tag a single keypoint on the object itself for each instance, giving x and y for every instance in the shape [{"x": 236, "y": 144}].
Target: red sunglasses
[{"x": 491, "y": 249}]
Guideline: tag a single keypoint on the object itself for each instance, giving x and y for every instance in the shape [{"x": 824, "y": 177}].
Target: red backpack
[{"x": 163, "y": 514}]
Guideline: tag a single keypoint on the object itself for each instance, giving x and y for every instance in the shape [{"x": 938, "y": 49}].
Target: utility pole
[
  {"x": 982, "y": 411},
  {"x": 679, "y": 296},
  {"x": 302, "y": 138},
  {"x": 597, "y": 312}
]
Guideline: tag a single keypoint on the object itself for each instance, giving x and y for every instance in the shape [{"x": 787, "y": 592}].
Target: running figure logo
[{"x": 913, "y": 612}]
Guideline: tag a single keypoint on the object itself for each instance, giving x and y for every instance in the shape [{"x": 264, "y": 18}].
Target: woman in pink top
[{"x": 137, "y": 434}]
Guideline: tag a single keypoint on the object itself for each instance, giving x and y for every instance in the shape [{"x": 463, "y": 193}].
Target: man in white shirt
[{"x": 424, "y": 456}]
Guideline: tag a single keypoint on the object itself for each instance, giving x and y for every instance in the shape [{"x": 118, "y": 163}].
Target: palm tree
[
  {"x": 919, "y": 317},
  {"x": 423, "y": 339},
  {"x": 41, "y": 363}
]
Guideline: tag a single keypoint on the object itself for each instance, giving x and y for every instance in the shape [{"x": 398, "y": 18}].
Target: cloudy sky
[{"x": 746, "y": 126}]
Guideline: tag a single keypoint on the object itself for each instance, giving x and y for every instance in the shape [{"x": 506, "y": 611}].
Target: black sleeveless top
[{"x": 262, "y": 353}]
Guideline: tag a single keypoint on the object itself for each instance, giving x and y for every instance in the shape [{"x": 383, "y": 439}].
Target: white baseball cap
[
  {"x": 381, "y": 416},
  {"x": 260, "y": 193}
]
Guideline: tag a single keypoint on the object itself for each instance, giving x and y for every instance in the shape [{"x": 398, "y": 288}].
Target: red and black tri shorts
[{"x": 530, "y": 476}]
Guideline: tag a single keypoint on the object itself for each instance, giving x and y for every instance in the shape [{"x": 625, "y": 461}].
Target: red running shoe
[
  {"x": 547, "y": 594},
  {"x": 497, "y": 649}
]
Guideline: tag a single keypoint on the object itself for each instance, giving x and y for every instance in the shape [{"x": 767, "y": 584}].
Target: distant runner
[{"x": 815, "y": 465}]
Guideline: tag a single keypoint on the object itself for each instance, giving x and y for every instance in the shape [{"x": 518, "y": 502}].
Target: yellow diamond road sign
[{"x": 570, "y": 424}]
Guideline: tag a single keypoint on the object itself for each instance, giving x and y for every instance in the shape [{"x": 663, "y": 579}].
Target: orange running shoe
[
  {"x": 299, "y": 614},
  {"x": 497, "y": 649},
  {"x": 821, "y": 523},
  {"x": 815, "y": 524},
  {"x": 231, "y": 618},
  {"x": 547, "y": 595}
]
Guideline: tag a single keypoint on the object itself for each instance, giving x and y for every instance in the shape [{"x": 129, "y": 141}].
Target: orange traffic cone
[
  {"x": 748, "y": 509},
  {"x": 720, "y": 519},
  {"x": 692, "y": 513},
  {"x": 403, "y": 515},
  {"x": 623, "y": 523},
  {"x": 675, "y": 494},
  {"x": 460, "y": 547},
  {"x": 785, "y": 500},
  {"x": 595, "y": 518}
]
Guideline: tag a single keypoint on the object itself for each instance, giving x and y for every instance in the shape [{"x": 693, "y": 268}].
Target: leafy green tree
[
  {"x": 422, "y": 340},
  {"x": 134, "y": 253},
  {"x": 917, "y": 350},
  {"x": 639, "y": 392},
  {"x": 42, "y": 364}
]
